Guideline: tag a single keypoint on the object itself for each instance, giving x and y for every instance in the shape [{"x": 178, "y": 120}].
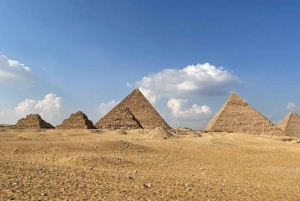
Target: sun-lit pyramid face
[
  {"x": 290, "y": 125},
  {"x": 134, "y": 111},
  {"x": 237, "y": 116}
]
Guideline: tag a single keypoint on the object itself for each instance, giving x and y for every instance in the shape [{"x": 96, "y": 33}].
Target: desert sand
[{"x": 66, "y": 164}]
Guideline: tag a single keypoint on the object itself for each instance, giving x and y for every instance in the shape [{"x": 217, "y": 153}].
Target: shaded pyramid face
[
  {"x": 134, "y": 111},
  {"x": 32, "y": 121},
  {"x": 120, "y": 119},
  {"x": 239, "y": 117},
  {"x": 77, "y": 120},
  {"x": 290, "y": 125}
]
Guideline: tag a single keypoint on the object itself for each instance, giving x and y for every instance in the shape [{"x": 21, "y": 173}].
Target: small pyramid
[
  {"x": 290, "y": 125},
  {"x": 133, "y": 112},
  {"x": 77, "y": 120},
  {"x": 239, "y": 117},
  {"x": 32, "y": 121}
]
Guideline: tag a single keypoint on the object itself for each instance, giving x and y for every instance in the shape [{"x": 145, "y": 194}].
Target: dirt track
[{"x": 79, "y": 165}]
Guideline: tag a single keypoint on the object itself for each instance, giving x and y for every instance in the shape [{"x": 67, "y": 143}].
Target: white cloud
[
  {"x": 14, "y": 72},
  {"x": 49, "y": 108},
  {"x": 293, "y": 107},
  {"x": 195, "y": 112},
  {"x": 194, "y": 80},
  {"x": 96, "y": 113},
  {"x": 195, "y": 117},
  {"x": 104, "y": 108},
  {"x": 151, "y": 96}
]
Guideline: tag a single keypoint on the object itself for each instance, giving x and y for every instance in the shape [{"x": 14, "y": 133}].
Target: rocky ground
[{"x": 130, "y": 165}]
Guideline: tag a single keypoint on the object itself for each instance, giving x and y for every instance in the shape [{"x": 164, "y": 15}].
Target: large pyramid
[
  {"x": 239, "y": 117},
  {"x": 133, "y": 112},
  {"x": 32, "y": 121},
  {"x": 77, "y": 120},
  {"x": 290, "y": 125}
]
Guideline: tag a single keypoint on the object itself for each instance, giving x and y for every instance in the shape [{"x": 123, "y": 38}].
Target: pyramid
[
  {"x": 32, "y": 121},
  {"x": 119, "y": 119},
  {"x": 290, "y": 125},
  {"x": 239, "y": 117},
  {"x": 133, "y": 112},
  {"x": 77, "y": 120}
]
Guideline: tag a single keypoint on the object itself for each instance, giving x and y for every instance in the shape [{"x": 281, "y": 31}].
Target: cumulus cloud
[
  {"x": 195, "y": 112},
  {"x": 293, "y": 107},
  {"x": 150, "y": 95},
  {"x": 96, "y": 113},
  {"x": 191, "y": 81},
  {"x": 104, "y": 108},
  {"x": 49, "y": 108},
  {"x": 12, "y": 71},
  {"x": 194, "y": 117}
]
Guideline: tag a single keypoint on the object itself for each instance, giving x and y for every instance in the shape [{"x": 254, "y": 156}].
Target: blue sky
[{"x": 88, "y": 55}]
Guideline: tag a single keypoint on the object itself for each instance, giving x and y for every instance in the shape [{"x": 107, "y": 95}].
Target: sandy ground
[{"x": 85, "y": 165}]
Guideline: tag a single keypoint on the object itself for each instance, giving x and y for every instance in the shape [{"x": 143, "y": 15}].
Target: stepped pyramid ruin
[
  {"x": 32, "y": 121},
  {"x": 290, "y": 125},
  {"x": 77, "y": 120},
  {"x": 239, "y": 117},
  {"x": 133, "y": 112}
]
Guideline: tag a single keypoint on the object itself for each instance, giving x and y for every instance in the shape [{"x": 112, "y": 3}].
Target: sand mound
[
  {"x": 186, "y": 131},
  {"x": 159, "y": 133},
  {"x": 119, "y": 132}
]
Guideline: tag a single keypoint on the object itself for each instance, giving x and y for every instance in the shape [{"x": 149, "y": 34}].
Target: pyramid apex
[
  {"x": 235, "y": 99},
  {"x": 136, "y": 91}
]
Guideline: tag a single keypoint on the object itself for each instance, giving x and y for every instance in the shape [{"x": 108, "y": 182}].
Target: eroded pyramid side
[
  {"x": 140, "y": 108},
  {"x": 76, "y": 120},
  {"x": 236, "y": 115},
  {"x": 32, "y": 121}
]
